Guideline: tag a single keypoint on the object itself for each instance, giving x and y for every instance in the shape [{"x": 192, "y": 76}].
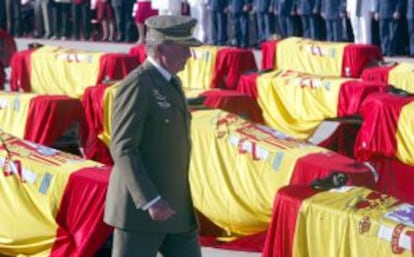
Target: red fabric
[
  {"x": 281, "y": 231},
  {"x": 7, "y": 48},
  {"x": 115, "y": 66},
  {"x": 343, "y": 139},
  {"x": 380, "y": 113},
  {"x": 20, "y": 71},
  {"x": 357, "y": 57},
  {"x": 50, "y": 116},
  {"x": 230, "y": 64},
  {"x": 320, "y": 165},
  {"x": 2, "y": 76},
  {"x": 139, "y": 52},
  {"x": 93, "y": 147},
  {"x": 269, "y": 54},
  {"x": 234, "y": 102},
  {"x": 395, "y": 178},
  {"x": 377, "y": 74},
  {"x": 81, "y": 229},
  {"x": 247, "y": 85},
  {"x": 103, "y": 11},
  {"x": 353, "y": 93},
  {"x": 144, "y": 11}
]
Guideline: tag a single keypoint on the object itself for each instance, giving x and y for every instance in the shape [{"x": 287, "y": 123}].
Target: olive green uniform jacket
[{"x": 151, "y": 150}]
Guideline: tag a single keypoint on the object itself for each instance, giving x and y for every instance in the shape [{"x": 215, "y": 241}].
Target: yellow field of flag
[
  {"x": 32, "y": 182},
  {"x": 402, "y": 76},
  {"x": 57, "y": 70},
  {"x": 405, "y": 136},
  {"x": 198, "y": 71},
  {"x": 295, "y": 103},
  {"x": 309, "y": 56},
  {"x": 236, "y": 168},
  {"x": 14, "y": 108},
  {"x": 353, "y": 222}
]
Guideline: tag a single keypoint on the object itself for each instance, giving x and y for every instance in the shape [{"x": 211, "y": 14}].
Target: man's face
[{"x": 174, "y": 56}]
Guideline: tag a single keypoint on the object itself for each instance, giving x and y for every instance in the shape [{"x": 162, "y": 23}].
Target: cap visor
[{"x": 190, "y": 42}]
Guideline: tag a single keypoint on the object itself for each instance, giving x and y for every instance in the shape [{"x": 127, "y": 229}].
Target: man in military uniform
[{"x": 148, "y": 199}]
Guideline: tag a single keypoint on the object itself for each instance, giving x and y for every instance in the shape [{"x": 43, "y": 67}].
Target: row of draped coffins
[{"x": 243, "y": 163}]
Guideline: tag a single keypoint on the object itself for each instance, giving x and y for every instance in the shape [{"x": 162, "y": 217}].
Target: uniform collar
[{"x": 166, "y": 74}]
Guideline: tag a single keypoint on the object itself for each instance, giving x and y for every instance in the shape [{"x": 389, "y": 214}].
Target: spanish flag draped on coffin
[
  {"x": 51, "y": 202},
  {"x": 349, "y": 221},
  {"x": 237, "y": 166},
  {"x": 38, "y": 118},
  {"x": 333, "y": 59},
  {"x": 58, "y": 70},
  {"x": 387, "y": 129}
]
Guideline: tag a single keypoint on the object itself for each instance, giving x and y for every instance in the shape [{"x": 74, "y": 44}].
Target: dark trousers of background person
[
  {"x": 42, "y": 19},
  {"x": 388, "y": 29},
  {"x": 410, "y": 23},
  {"x": 347, "y": 33},
  {"x": 309, "y": 26},
  {"x": 334, "y": 30},
  {"x": 218, "y": 28},
  {"x": 263, "y": 26},
  {"x": 286, "y": 26},
  {"x": 81, "y": 20},
  {"x": 123, "y": 21},
  {"x": 61, "y": 19},
  {"x": 26, "y": 17},
  {"x": 3, "y": 15},
  {"x": 241, "y": 29},
  {"x": 13, "y": 19}
]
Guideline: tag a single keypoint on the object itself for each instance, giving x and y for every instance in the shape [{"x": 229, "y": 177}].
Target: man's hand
[{"x": 161, "y": 210}]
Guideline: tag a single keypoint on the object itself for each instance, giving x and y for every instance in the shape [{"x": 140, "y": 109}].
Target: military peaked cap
[{"x": 173, "y": 28}]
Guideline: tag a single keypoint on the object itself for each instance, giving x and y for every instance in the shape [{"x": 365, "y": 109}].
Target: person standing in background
[
  {"x": 388, "y": 13},
  {"x": 123, "y": 19},
  {"x": 285, "y": 10},
  {"x": 81, "y": 17},
  {"x": 105, "y": 17},
  {"x": 360, "y": 13},
  {"x": 218, "y": 10},
  {"x": 410, "y": 21},
  {"x": 149, "y": 199},
  {"x": 198, "y": 10},
  {"x": 61, "y": 12},
  {"x": 42, "y": 19},
  {"x": 307, "y": 11},
  {"x": 263, "y": 12},
  {"x": 167, "y": 7},
  {"x": 13, "y": 19},
  {"x": 333, "y": 11},
  {"x": 3, "y": 14},
  {"x": 143, "y": 12},
  {"x": 240, "y": 16}
]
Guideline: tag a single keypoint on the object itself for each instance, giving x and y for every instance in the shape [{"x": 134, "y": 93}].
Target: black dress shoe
[
  {"x": 398, "y": 91},
  {"x": 334, "y": 180}
]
